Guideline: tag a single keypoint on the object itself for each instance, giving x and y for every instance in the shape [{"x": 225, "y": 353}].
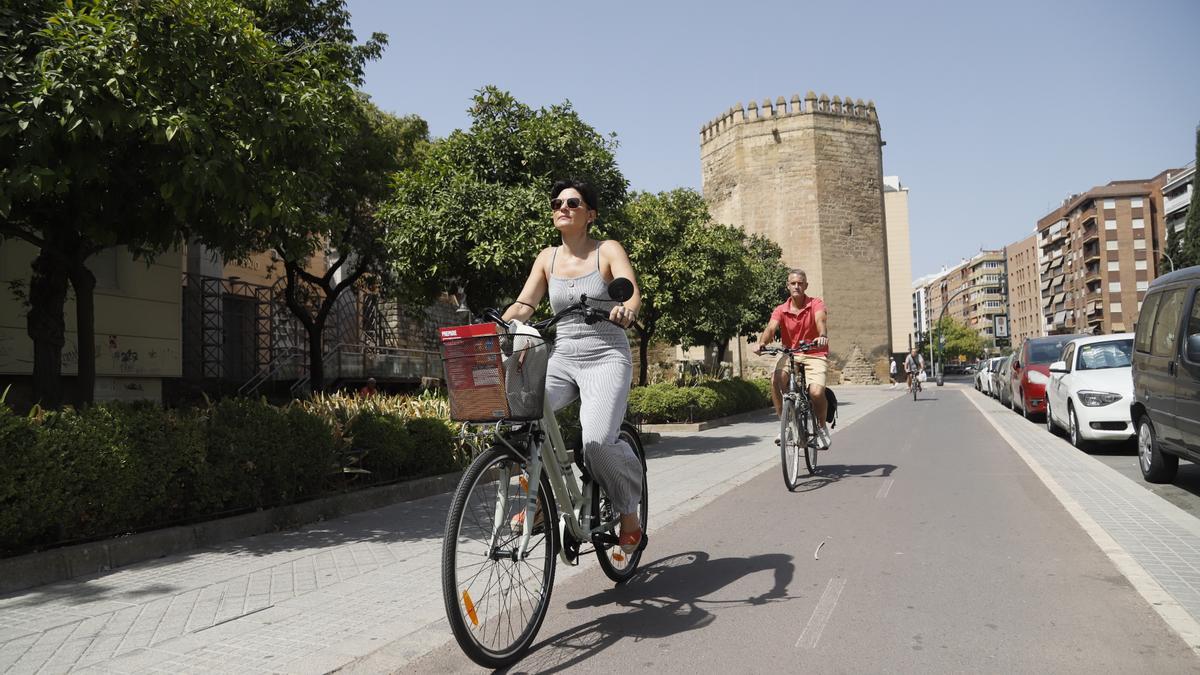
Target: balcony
[{"x": 1091, "y": 253}]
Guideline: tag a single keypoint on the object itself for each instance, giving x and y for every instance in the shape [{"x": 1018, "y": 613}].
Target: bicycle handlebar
[
  {"x": 590, "y": 316},
  {"x": 802, "y": 347}
]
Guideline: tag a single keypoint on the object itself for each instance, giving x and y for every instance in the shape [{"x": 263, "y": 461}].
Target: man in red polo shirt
[{"x": 801, "y": 317}]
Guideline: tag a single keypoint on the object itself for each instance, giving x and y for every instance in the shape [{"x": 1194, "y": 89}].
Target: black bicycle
[
  {"x": 504, "y": 529},
  {"x": 797, "y": 420}
]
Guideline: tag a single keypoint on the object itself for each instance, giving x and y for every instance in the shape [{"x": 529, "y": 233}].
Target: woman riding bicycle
[{"x": 590, "y": 362}]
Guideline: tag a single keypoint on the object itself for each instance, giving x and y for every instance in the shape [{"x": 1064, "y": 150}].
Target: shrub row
[
  {"x": 665, "y": 402},
  {"x": 120, "y": 467}
]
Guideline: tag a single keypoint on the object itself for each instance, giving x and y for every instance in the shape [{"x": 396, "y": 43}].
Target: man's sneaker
[{"x": 823, "y": 439}]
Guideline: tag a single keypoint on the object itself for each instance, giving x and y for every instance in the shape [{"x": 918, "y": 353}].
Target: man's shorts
[{"x": 814, "y": 367}]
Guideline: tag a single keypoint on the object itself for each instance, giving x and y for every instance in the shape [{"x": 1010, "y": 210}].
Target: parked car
[
  {"x": 1091, "y": 388},
  {"x": 983, "y": 376},
  {"x": 1166, "y": 375},
  {"x": 994, "y": 377},
  {"x": 1031, "y": 372},
  {"x": 1003, "y": 381}
]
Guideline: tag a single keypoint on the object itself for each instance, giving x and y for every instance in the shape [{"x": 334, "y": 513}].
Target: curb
[
  {"x": 706, "y": 424},
  {"x": 60, "y": 564}
]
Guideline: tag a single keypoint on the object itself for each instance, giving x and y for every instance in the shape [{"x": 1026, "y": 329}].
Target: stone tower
[{"x": 809, "y": 175}]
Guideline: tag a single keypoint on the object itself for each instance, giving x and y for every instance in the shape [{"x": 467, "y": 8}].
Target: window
[
  {"x": 1069, "y": 356},
  {"x": 1114, "y": 307},
  {"x": 1110, "y": 224},
  {"x": 1135, "y": 203},
  {"x": 1193, "y": 329},
  {"x": 1098, "y": 355},
  {"x": 1139, "y": 244},
  {"x": 1110, "y": 203},
  {"x": 1145, "y": 323},
  {"x": 1114, "y": 287},
  {"x": 1143, "y": 285},
  {"x": 1111, "y": 245},
  {"x": 1139, "y": 223},
  {"x": 1114, "y": 266},
  {"x": 1166, "y": 324}
]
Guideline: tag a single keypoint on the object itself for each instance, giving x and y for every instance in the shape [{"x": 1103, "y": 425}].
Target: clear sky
[{"x": 992, "y": 112}]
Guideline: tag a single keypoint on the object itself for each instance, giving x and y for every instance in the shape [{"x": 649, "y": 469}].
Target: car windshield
[
  {"x": 1045, "y": 352},
  {"x": 1098, "y": 355}
]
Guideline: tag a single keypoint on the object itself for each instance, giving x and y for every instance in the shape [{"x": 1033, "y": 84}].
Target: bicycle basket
[{"x": 493, "y": 376}]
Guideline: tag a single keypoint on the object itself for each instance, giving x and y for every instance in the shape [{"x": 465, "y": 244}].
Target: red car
[{"x": 1031, "y": 372}]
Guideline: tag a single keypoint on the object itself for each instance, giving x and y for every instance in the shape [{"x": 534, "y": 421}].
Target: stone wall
[{"x": 810, "y": 176}]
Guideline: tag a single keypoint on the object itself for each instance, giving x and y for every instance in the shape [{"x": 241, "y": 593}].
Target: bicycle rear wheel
[
  {"x": 496, "y": 597},
  {"x": 809, "y": 428},
  {"x": 618, "y": 565},
  {"x": 791, "y": 439}
]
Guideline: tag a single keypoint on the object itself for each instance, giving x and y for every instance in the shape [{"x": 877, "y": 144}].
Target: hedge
[
  {"x": 119, "y": 467},
  {"x": 666, "y": 402}
]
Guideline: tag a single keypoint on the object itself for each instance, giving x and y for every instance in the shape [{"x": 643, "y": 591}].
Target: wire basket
[{"x": 493, "y": 376}]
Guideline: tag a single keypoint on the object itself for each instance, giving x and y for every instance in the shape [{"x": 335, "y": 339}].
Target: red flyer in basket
[{"x": 453, "y": 333}]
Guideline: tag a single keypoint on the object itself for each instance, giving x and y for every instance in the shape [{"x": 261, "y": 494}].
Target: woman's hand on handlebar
[{"x": 622, "y": 316}]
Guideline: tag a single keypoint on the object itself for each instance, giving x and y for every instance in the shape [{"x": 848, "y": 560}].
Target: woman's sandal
[{"x": 632, "y": 542}]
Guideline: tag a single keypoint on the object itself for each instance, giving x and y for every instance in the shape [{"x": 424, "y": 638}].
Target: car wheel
[
  {"x": 1050, "y": 420},
  {"x": 1025, "y": 409},
  {"x": 1073, "y": 433},
  {"x": 1157, "y": 466}
]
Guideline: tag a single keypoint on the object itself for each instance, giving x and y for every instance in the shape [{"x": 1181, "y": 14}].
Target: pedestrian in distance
[
  {"x": 368, "y": 390},
  {"x": 892, "y": 371}
]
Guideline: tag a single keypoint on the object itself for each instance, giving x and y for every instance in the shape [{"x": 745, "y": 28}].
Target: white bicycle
[{"x": 504, "y": 528}]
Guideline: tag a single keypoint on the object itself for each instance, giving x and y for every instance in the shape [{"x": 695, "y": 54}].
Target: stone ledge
[
  {"x": 702, "y": 426},
  {"x": 60, "y": 564}
]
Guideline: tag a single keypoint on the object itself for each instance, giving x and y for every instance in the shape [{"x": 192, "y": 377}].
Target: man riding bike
[{"x": 913, "y": 364}]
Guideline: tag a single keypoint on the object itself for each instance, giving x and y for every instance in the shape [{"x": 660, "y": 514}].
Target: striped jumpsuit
[{"x": 592, "y": 363}]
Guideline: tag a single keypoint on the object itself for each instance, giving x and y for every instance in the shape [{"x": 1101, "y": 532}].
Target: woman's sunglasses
[{"x": 572, "y": 203}]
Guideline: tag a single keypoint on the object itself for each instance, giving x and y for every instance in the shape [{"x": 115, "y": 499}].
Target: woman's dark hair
[{"x": 586, "y": 191}]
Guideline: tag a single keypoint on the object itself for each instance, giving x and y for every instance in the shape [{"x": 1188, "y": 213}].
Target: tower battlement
[{"x": 810, "y": 105}]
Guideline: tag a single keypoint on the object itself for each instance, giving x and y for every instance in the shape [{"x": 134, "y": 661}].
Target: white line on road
[
  {"x": 821, "y": 614},
  {"x": 885, "y": 488}
]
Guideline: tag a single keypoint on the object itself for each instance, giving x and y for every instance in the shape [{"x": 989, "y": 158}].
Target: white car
[
  {"x": 1091, "y": 388},
  {"x": 983, "y": 376}
]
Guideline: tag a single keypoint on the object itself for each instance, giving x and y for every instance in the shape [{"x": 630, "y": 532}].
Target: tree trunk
[
  {"x": 316, "y": 356},
  {"x": 84, "y": 283},
  {"x": 722, "y": 347},
  {"x": 46, "y": 326}
]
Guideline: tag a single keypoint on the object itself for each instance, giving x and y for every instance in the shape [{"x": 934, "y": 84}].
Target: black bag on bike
[{"x": 831, "y": 409}]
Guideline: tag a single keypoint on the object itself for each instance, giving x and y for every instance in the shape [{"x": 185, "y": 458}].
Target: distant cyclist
[
  {"x": 801, "y": 317},
  {"x": 913, "y": 363}
]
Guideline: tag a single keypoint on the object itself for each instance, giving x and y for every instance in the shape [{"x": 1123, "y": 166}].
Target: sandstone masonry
[{"x": 809, "y": 175}]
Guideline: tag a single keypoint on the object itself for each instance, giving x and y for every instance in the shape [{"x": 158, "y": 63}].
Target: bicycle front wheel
[
  {"x": 496, "y": 595},
  {"x": 791, "y": 440},
  {"x": 618, "y": 565}
]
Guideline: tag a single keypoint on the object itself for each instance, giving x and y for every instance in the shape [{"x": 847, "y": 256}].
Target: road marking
[
  {"x": 885, "y": 488},
  {"x": 1163, "y": 602},
  {"x": 821, "y": 614}
]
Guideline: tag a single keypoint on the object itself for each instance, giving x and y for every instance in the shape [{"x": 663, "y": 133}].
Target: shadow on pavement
[
  {"x": 832, "y": 473},
  {"x": 699, "y": 445},
  {"x": 664, "y": 598}
]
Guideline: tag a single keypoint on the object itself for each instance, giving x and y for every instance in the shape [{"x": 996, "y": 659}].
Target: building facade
[
  {"x": 809, "y": 175},
  {"x": 895, "y": 209},
  {"x": 972, "y": 292},
  {"x": 1097, "y": 253},
  {"x": 1177, "y": 198},
  {"x": 1024, "y": 290}
]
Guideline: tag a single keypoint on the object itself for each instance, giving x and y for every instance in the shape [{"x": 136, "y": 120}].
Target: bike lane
[
  {"x": 925, "y": 544},
  {"x": 360, "y": 592}
]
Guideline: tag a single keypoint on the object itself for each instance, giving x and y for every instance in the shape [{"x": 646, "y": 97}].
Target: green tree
[
  {"x": 768, "y": 275},
  {"x": 475, "y": 213},
  {"x": 954, "y": 339},
  {"x": 1184, "y": 247},
  {"x": 143, "y": 123},
  {"x": 346, "y": 229}
]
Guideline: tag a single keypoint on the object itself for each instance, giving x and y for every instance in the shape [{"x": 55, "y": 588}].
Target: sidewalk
[{"x": 361, "y": 593}]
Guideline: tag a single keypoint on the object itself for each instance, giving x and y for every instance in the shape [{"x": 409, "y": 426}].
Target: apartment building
[
  {"x": 971, "y": 292},
  {"x": 1097, "y": 254},
  {"x": 1177, "y": 197},
  {"x": 1024, "y": 290}
]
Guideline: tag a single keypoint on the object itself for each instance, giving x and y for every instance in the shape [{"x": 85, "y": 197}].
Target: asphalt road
[{"x": 924, "y": 544}]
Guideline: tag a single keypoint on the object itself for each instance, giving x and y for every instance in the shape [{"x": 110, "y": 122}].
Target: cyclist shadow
[
  {"x": 828, "y": 474},
  {"x": 664, "y": 598}
]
